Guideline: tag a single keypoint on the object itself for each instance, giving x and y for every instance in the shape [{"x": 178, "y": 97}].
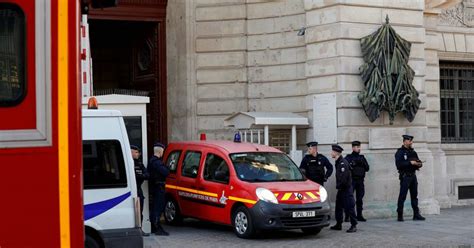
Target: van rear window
[{"x": 104, "y": 165}]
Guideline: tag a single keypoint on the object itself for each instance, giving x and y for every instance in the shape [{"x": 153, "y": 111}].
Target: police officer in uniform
[
  {"x": 359, "y": 167},
  {"x": 141, "y": 174},
  {"x": 408, "y": 163},
  {"x": 345, "y": 196},
  {"x": 158, "y": 173},
  {"x": 313, "y": 165}
]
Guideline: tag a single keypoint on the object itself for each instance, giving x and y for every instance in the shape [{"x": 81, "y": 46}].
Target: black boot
[
  {"x": 160, "y": 231},
  {"x": 400, "y": 216},
  {"x": 353, "y": 229},
  {"x": 417, "y": 216},
  {"x": 337, "y": 227},
  {"x": 360, "y": 217}
]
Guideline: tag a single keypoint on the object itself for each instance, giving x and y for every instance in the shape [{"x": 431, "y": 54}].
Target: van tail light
[
  {"x": 138, "y": 217},
  {"x": 203, "y": 136}
]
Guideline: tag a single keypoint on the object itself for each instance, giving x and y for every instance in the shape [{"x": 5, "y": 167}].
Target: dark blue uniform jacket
[
  {"x": 141, "y": 174},
  {"x": 403, "y": 156},
  {"x": 343, "y": 174},
  {"x": 314, "y": 167},
  {"x": 157, "y": 170},
  {"x": 359, "y": 165}
]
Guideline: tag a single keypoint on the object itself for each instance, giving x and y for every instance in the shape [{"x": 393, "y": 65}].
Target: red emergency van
[{"x": 249, "y": 186}]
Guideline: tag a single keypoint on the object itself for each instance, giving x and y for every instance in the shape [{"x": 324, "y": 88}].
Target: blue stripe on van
[{"x": 93, "y": 209}]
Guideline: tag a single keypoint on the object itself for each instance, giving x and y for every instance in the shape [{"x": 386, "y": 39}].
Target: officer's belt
[{"x": 406, "y": 174}]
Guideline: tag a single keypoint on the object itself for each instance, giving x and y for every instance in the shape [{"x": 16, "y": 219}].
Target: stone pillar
[
  {"x": 333, "y": 37},
  {"x": 432, "y": 89},
  {"x": 181, "y": 74}
]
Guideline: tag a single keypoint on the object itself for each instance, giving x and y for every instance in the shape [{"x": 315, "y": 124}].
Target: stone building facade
[{"x": 226, "y": 56}]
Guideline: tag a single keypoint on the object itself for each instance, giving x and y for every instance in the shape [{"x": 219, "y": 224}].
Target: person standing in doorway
[
  {"x": 316, "y": 166},
  {"x": 407, "y": 162},
  {"x": 158, "y": 173}
]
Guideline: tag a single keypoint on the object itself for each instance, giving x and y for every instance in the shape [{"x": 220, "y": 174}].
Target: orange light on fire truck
[{"x": 92, "y": 103}]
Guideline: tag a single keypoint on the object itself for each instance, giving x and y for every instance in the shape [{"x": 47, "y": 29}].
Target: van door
[
  {"x": 188, "y": 195},
  {"x": 215, "y": 179},
  {"x": 106, "y": 193},
  {"x": 109, "y": 189}
]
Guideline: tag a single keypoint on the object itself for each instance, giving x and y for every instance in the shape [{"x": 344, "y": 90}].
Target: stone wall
[
  {"x": 333, "y": 36},
  {"x": 245, "y": 56},
  {"x": 226, "y": 56},
  {"x": 221, "y": 66}
]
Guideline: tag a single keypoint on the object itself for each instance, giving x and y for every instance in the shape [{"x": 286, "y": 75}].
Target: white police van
[{"x": 111, "y": 206}]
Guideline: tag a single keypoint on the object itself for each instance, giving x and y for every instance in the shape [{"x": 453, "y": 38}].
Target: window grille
[{"x": 457, "y": 102}]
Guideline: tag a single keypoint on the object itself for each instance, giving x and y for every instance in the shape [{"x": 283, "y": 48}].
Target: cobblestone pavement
[{"x": 452, "y": 228}]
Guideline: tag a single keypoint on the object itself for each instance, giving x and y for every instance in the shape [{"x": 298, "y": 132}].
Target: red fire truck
[{"x": 40, "y": 124}]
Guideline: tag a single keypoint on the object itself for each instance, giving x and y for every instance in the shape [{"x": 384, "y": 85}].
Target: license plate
[{"x": 302, "y": 214}]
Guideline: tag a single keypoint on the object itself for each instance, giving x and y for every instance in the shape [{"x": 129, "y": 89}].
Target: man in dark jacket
[
  {"x": 407, "y": 162},
  {"x": 314, "y": 164},
  {"x": 359, "y": 167},
  {"x": 158, "y": 173},
  {"x": 345, "y": 195},
  {"x": 141, "y": 174}
]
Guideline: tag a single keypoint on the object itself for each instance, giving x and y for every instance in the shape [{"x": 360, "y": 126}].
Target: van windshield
[{"x": 265, "y": 167}]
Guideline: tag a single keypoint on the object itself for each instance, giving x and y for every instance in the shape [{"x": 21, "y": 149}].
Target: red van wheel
[
  {"x": 243, "y": 223},
  {"x": 172, "y": 213}
]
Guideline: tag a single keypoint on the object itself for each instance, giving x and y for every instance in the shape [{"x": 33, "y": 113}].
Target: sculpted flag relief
[{"x": 387, "y": 76}]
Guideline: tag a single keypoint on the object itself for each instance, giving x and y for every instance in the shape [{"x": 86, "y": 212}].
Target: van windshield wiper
[
  {"x": 257, "y": 180},
  {"x": 290, "y": 180}
]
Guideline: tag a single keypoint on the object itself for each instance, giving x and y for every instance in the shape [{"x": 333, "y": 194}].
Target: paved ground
[{"x": 452, "y": 228}]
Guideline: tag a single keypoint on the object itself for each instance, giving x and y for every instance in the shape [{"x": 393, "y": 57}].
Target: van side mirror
[{"x": 221, "y": 176}]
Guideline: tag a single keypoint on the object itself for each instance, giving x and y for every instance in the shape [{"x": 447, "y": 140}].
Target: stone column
[
  {"x": 333, "y": 34},
  {"x": 432, "y": 89},
  {"x": 180, "y": 52}
]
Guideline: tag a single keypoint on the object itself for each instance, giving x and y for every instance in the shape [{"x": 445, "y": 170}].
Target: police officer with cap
[
  {"x": 141, "y": 174},
  {"x": 158, "y": 173},
  {"x": 359, "y": 167},
  {"x": 345, "y": 195},
  {"x": 407, "y": 162},
  {"x": 313, "y": 165}
]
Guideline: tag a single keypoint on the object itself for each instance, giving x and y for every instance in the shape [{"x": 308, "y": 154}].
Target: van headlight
[
  {"x": 323, "y": 194},
  {"x": 266, "y": 195}
]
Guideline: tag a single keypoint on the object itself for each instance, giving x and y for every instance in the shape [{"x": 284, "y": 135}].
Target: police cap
[
  {"x": 134, "y": 147},
  {"x": 407, "y": 137},
  {"x": 312, "y": 143},
  {"x": 355, "y": 143},
  {"x": 158, "y": 144},
  {"x": 337, "y": 148}
]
